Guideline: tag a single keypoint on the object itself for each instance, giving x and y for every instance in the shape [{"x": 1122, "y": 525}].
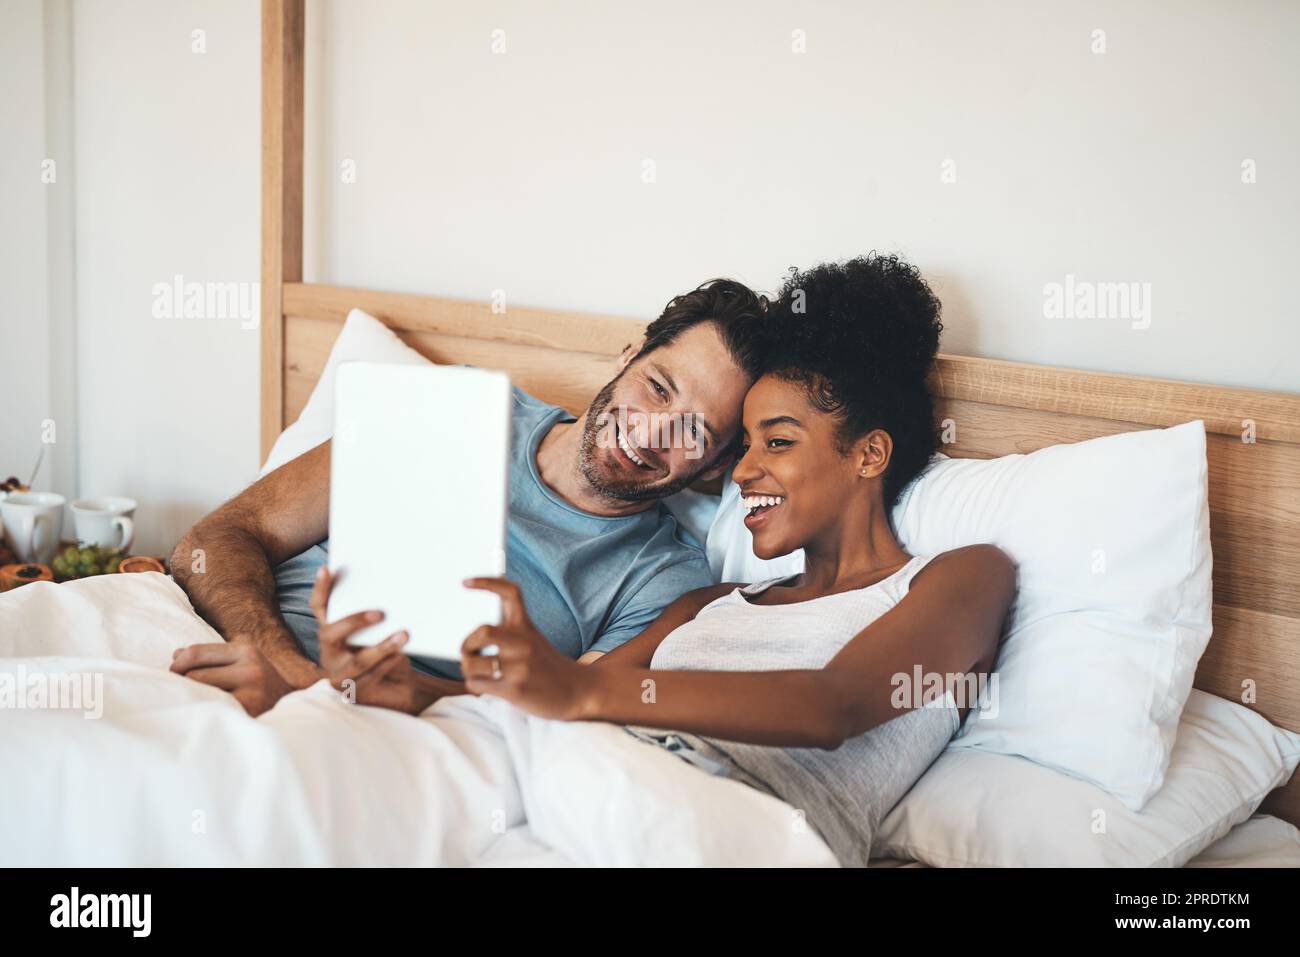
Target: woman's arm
[{"x": 948, "y": 623}]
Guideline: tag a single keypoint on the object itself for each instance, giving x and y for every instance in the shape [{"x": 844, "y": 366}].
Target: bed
[
  {"x": 164, "y": 771},
  {"x": 1253, "y": 436},
  {"x": 1253, "y": 452}
]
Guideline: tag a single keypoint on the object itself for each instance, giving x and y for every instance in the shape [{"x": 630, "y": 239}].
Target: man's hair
[{"x": 734, "y": 308}]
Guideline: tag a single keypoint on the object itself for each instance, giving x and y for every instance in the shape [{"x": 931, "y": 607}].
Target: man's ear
[{"x": 630, "y": 352}]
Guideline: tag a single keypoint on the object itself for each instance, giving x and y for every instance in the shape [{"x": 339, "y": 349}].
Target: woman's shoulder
[
  {"x": 691, "y": 603},
  {"x": 984, "y": 562}
]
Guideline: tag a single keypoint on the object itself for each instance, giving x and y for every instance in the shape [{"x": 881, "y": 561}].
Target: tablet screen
[{"x": 418, "y": 499}]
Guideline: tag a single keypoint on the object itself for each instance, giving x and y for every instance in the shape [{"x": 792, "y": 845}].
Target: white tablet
[{"x": 418, "y": 474}]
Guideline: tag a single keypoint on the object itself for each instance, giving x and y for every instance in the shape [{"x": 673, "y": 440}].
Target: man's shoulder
[
  {"x": 527, "y": 414},
  {"x": 671, "y": 543},
  {"x": 529, "y": 405},
  {"x": 523, "y": 405}
]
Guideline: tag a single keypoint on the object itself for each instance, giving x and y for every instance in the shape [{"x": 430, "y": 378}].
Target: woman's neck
[{"x": 844, "y": 557}]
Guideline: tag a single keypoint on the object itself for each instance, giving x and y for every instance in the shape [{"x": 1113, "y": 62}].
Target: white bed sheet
[
  {"x": 1260, "y": 841},
  {"x": 176, "y": 773},
  {"x": 173, "y": 772}
]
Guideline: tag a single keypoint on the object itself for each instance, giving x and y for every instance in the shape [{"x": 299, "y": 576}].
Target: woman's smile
[{"x": 760, "y": 508}]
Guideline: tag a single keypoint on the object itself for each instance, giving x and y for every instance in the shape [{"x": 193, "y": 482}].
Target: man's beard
[{"x": 594, "y": 471}]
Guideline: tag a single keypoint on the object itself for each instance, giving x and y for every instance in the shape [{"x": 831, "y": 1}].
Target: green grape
[
  {"x": 87, "y": 555},
  {"x": 70, "y": 555},
  {"x": 94, "y": 569},
  {"x": 113, "y": 563}
]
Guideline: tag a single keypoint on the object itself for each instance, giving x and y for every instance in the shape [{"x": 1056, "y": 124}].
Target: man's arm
[{"x": 225, "y": 562}]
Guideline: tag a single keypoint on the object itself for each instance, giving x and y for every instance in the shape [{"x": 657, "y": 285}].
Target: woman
[{"x": 792, "y": 686}]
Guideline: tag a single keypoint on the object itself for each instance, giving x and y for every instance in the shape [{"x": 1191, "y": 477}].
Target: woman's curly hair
[{"x": 861, "y": 337}]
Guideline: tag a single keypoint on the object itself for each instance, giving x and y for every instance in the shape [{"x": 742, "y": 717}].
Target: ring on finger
[{"x": 496, "y": 669}]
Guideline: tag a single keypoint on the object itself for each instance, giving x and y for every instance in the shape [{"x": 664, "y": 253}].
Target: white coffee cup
[
  {"x": 106, "y": 522},
  {"x": 33, "y": 522}
]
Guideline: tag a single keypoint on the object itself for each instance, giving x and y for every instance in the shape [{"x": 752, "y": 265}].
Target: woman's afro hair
[{"x": 861, "y": 337}]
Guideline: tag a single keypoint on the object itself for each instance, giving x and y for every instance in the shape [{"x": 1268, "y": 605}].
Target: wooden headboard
[{"x": 998, "y": 407}]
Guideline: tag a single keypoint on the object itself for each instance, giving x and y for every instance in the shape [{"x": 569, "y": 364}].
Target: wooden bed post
[{"x": 282, "y": 122}]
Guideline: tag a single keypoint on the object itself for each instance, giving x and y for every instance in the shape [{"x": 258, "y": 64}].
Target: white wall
[
  {"x": 28, "y": 220},
  {"x": 523, "y": 171},
  {"x": 23, "y": 371},
  {"x": 167, "y": 154}
]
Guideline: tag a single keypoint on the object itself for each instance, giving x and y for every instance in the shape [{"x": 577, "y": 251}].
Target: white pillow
[
  {"x": 978, "y": 809},
  {"x": 1112, "y": 540},
  {"x": 363, "y": 337}
]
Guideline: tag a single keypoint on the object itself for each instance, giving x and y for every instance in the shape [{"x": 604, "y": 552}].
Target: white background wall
[
  {"x": 25, "y": 356},
  {"x": 523, "y": 171}
]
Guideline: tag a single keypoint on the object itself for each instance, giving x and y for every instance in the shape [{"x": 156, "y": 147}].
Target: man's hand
[
  {"x": 237, "y": 667},
  {"x": 527, "y": 670},
  {"x": 379, "y": 675}
]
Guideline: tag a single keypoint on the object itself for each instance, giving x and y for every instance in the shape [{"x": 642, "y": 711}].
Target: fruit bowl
[
  {"x": 83, "y": 561},
  {"x": 23, "y": 573},
  {"x": 141, "y": 563},
  {"x": 11, "y": 484}
]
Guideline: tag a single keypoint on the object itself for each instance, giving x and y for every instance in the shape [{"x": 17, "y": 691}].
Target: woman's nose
[{"x": 745, "y": 470}]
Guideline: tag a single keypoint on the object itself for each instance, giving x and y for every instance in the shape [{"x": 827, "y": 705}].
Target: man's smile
[{"x": 629, "y": 456}]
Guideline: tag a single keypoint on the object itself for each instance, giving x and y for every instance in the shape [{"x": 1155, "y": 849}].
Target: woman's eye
[
  {"x": 777, "y": 443},
  {"x": 663, "y": 393}
]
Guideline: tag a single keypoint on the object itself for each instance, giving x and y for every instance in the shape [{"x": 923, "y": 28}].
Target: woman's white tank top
[{"x": 843, "y": 793}]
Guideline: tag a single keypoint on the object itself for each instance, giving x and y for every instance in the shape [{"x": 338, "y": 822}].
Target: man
[{"x": 592, "y": 549}]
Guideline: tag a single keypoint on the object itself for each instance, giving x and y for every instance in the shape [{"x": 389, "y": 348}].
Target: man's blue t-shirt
[{"x": 589, "y": 582}]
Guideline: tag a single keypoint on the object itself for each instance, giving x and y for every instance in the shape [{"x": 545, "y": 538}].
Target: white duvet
[{"x": 151, "y": 768}]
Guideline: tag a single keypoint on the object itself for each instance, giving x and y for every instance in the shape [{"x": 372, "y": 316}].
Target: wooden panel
[
  {"x": 1104, "y": 398},
  {"x": 1256, "y": 647},
  {"x": 282, "y": 118},
  {"x": 549, "y": 329},
  {"x": 1254, "y": 493},
  {"x": 1118, "y": 398},
  {"x": 1250, "y": 646},
  {"x": 567, "y": 379}
]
